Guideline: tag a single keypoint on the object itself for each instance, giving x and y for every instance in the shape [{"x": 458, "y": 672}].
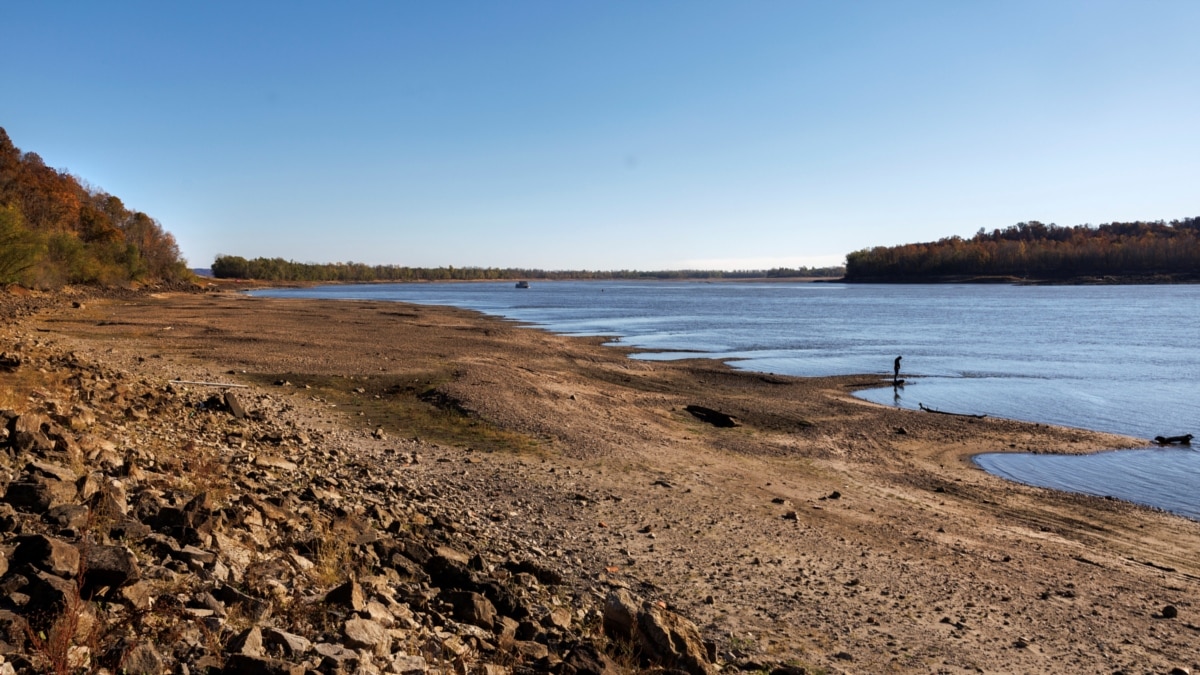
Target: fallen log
[
  {"x": 952, "y": 414},
  {"x": 211, "y": 384},
  {"x": 1185, "y": 439},
  {"x": 713, "y": 417}
]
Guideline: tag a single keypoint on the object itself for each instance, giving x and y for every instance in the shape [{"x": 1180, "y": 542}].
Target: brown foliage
[
  {"x": 72, "y": 233},
  {"x": 1042, "y": 251}
]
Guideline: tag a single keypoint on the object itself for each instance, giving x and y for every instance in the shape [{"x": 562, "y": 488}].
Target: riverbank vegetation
[
  {"x": 278, "y": 269},
  {"x": 55, "y": 229},
  {"x": 1032, "y": 250}
]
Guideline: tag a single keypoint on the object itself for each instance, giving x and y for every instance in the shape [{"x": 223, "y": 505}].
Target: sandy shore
[{"x": 823, "y": 531}]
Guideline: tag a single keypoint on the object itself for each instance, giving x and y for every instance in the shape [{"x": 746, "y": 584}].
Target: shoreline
[
  {"x": 630, "y": 352},
  {"x": 824, "y": 531}
]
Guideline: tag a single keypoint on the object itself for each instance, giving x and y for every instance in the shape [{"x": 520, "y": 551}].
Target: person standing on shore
[{"x": 896, "y": 370}]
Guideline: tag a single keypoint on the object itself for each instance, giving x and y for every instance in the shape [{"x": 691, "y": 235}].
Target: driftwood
[
  {"x": 212, "y": 384},
  {"x": 1185, "y": 439},
  {"x": 713, "y": 417},
  {"x": 953, "y": 414}
]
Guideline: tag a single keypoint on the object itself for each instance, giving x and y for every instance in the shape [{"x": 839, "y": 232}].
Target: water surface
[
  {"x": 1160, "y": 477},
  {"x": 1121, "y": 359}
]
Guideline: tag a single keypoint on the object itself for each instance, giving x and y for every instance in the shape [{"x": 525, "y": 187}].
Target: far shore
[{"x": 821, "y": 530}]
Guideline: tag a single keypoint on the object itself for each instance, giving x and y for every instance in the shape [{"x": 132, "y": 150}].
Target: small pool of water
[{"x": 1167, "y": 478}]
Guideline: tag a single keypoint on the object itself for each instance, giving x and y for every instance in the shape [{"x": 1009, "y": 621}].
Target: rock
[
  {"x": 206, "y": 600},
  {"x": 349, "y": 595},
  {"x": 620, "y": 615},
  {"x": 375, "y": 611},
  {"x": 506, "y": 628},
  {"x": 140, "y": 595},
  {"x": 334, "y": 657},
  {"x": 446, "y": 572},
  {"x": 292, "y": 646},
  {"x": 254, "y": 608},
  {"x": 137, "y": 412},
  {"x": 661, "y": 634},
  {"x": 142, "y": 659},
  {"x": 110, "y": 501},
  {"x": 111, "y": 566},
  {"x": 242, "y": 664},
  {"x": 585, "y": 659},
  {"x": 367, "y": 634},
  {"x": 473, "y": 608},
  {"x": 1170, "y": 612},
  {"x": 67, "y": 516},
  {"x": 542, "y": 573},
  {"x": 236, "y": 556},
  {"x": 14, "y": 632},
  {"x": 48, "y": 553},
  {"x": 8, "y": 517},
  {"x": 531, "y": 651},
  {"x": 406, "y": 664},
  {"x": 42, "y": 486},
  {"x": 455, "y": 645},
  {"x": 675, "y": 640},
  {"x": 559, "y": 617},
  {"x": 275, "y": 463},
  {"x": 234, "y": 405},
  {"x": 33, "y": 442},
  {"x": 48, "y": 595},
  {"x": 195, "y": 557},
  {"x": 248, "y": 643}
]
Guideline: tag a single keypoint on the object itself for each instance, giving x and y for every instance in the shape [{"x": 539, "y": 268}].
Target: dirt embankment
[{"x": 820, "y": 532}]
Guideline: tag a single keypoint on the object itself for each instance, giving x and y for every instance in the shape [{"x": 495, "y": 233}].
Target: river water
[{"x": 1123, "y": 359}]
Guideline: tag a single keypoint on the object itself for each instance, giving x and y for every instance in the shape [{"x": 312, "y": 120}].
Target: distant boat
[{"x": 522, "y": 284}]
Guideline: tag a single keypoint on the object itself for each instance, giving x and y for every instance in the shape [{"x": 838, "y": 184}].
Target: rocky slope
[{"x": 151, "y": 526}]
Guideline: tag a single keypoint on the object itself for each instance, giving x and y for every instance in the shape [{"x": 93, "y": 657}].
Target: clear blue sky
[{"x": 609, "y": 135}]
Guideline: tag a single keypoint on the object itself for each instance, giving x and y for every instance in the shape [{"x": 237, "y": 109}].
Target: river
[{"x": 1122, "y": 359}]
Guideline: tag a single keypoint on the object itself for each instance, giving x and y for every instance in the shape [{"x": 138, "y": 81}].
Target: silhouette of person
[{"x": 896, "y": 369}]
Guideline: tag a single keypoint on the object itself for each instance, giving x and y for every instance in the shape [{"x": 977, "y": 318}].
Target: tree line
[
  {"x": 55, "y": 229},
  {"x": 278, "y": 269},
  {"x": 1039, "y": 251}
]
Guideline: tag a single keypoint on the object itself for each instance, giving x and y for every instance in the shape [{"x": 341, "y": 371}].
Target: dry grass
[
  {"x": 402, "y": 406},
  {"x": 207, "y": 474},
  {"x": 20, "y": 387},
  {"x": 334, "y": 562}
]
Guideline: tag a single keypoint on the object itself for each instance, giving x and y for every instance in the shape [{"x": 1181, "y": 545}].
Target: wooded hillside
[
  {"x": 1037, "y": 251},
  {"x": 55, "y": 229}
]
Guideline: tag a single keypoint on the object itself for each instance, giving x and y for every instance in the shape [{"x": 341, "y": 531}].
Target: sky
[{"x": 610, "y": 135}]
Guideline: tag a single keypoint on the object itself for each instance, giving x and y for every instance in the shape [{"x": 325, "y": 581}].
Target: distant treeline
[
  {"x": 278, "y": 269},
  {"x": 1034, "y": 250},
  {"x": 55, "y": 229}
]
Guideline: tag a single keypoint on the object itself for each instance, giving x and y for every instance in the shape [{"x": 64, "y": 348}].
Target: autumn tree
[
  {"x": 1033, "y": 249},
  {"x": 72, "y": 233}
]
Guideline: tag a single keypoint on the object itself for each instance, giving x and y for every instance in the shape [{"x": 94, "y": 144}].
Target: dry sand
[{"x": 823, "y": 531}]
